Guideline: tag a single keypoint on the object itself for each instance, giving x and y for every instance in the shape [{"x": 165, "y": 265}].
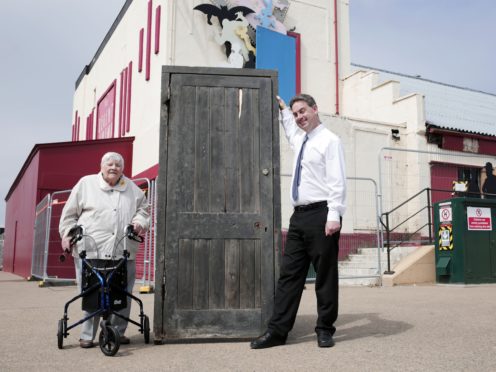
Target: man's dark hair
[{"x": 308, "y": 99}]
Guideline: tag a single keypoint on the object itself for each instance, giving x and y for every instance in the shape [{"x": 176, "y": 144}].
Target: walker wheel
[
  {"x": 60, "y": 334},
  {"x": 109, "y": 344},
  {"x": 146, "y": 329}
]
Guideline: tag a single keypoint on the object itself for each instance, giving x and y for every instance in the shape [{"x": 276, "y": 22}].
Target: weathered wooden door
[{"x": 219, "y": 197}]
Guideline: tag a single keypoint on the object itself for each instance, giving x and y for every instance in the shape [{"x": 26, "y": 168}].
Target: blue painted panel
[{"x": 276, "y": 51}]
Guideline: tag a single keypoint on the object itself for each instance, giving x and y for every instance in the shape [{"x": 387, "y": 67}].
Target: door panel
[{"x": 219, "y": 214}]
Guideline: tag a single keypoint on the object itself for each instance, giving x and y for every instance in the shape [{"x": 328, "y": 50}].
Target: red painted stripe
[
  {"x": 121, "y": 100},
  {"x": 140, "y": 53},
  {"x": 113, "y": 115},
  {"x": 148, "y": 40},
  {"x": 74, "y": 126},
  {"x": 297, "y": 37},
  {"x": 336, "y": 52},
  {"x": 157, "y": 29},
  {"x": 90, "y": 134},
  {"x": 88, "y": 126},
  {"x": 123, "y": 104},
  {"x": 78, "y": 127},
  {"x": 129, "y": 82},
  {"x": 97, "y": 126}
]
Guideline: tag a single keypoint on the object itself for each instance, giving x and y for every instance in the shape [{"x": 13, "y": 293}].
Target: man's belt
[{"x": 308, "y": 207}]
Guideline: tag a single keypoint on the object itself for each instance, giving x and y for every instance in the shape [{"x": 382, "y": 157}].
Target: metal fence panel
[
  {"x": 405, "y": 172},
  {"x": 38, "y": 269},
  {"x": 47, "y": 242}
]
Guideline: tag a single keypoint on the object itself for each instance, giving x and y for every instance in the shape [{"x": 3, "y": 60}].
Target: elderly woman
[{"x": 104, "y": 204}]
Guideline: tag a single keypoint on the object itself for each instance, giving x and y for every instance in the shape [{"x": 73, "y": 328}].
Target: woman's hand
[
  {"x": 138, "y": 229},
  {"x": 66, "y": 244}
]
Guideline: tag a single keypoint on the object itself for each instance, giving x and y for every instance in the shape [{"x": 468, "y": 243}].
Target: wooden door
[{"x": 219, "y": 217}]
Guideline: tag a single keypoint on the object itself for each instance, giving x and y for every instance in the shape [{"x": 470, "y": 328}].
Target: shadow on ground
[{"x": 350, "y": 327}]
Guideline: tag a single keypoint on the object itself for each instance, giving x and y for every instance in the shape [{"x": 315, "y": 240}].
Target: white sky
[{"x": 45, "y": 45}]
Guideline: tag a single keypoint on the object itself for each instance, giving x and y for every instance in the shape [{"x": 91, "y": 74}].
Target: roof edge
[
  {"x": 435, "y": 128},
  {"x": 423, "y": 79},
  {"x": 39, "y": 146},
  {"x": 87, "y": 68}
]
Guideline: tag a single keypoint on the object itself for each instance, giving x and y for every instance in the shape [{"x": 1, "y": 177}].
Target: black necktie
[{"x": 297, "y": 173}]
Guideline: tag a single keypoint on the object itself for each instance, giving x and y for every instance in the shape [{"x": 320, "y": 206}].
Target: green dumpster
[{"x": 465, "y": 240}]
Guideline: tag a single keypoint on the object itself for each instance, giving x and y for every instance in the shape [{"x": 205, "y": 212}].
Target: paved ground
[{"x": 409, "y": 328}]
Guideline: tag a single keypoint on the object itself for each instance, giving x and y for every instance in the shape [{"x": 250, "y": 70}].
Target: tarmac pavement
[{"x": 403, "y": 328}]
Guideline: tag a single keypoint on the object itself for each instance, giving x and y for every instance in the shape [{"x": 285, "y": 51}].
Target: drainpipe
[{"x": 336, "y": 53}]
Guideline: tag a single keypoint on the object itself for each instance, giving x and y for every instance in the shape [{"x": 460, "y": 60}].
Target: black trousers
[{"x": 306, "y": 242}]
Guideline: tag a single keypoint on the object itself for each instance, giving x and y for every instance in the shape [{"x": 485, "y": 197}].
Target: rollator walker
[{"x": 103, "y": 292}]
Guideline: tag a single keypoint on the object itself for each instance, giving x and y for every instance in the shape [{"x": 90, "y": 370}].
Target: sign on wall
[
  {"x": 479, "y": 219},
  {"x": 445, "y": 212},
  {"x": 106, "y": 114},
  {"x": 278, "y": 52},
  {"x": 445, "y": 237}
]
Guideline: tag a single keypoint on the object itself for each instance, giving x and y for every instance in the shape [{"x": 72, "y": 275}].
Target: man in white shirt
[{"x": 318, "y": 194}]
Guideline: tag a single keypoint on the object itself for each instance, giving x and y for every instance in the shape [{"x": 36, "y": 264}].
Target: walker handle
[
  {"x": 64, "y": 255},
  {"x": 131, "y": 234}
]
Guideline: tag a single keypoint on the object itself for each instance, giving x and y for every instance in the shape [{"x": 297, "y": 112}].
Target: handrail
[
  {"x": 429, "y": 223},
  {"x": 409, "y": 218},
  {"x": 411, "y": 234},
  {"x": 409, "y": 199}
]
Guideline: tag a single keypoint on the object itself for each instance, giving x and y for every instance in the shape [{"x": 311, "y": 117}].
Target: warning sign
[
  {"x": 445, "y": 238},
  {"x": 479, "y": 219},
  {"x": 445, "y": 213}
]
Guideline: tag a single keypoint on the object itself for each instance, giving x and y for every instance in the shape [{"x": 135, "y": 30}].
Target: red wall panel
[
  {"x": 157, "y": 29},
  {"x": 148, "y": 40},
  {"x": 487, "y": 147},
  {"x": 453, "y": 143},
  {"x": 20, "y": 212},
  {"x": 49, "y": 168},
  {"x": 442, "y": 177}
]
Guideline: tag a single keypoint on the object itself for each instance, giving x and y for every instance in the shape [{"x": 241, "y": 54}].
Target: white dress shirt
[{"x": 323, "y": 175}]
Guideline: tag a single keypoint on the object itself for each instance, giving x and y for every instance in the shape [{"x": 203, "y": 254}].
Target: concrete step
[
  {"x": 371, "y": 282},
  {"x": 362, "y": 265},
  {"x": 365, "y": 263},
  {"x": 358, "y": 271}
]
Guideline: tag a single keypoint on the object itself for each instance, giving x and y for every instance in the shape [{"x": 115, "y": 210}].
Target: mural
[{"x": 238, "y": 21}]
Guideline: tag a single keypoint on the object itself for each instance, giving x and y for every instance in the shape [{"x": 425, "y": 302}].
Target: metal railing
[
  {"x": 389, "y": 230},
  {"x": 390, "y": 243}
]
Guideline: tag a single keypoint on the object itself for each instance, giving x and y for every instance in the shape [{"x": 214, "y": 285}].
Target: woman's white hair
[{"x": 112, "y": 156}]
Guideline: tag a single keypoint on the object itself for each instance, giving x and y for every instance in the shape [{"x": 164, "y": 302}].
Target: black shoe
[
  {"x": 268, "y": 339},
  {"x": 324, "y": 338},
  {"x": 86, "y": 344}
]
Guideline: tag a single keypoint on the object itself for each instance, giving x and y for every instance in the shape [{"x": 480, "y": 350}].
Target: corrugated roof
[{"x": 448, "y": 106}]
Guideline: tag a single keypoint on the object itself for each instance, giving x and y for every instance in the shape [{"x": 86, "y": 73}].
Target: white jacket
[{"x": 104, "y": 212}]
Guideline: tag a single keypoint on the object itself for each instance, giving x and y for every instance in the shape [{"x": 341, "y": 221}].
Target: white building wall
[
  {"x": 187, "y": 40},
  {"x": 379, "y": 109},
  {"x": 121, "y": 48}
]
